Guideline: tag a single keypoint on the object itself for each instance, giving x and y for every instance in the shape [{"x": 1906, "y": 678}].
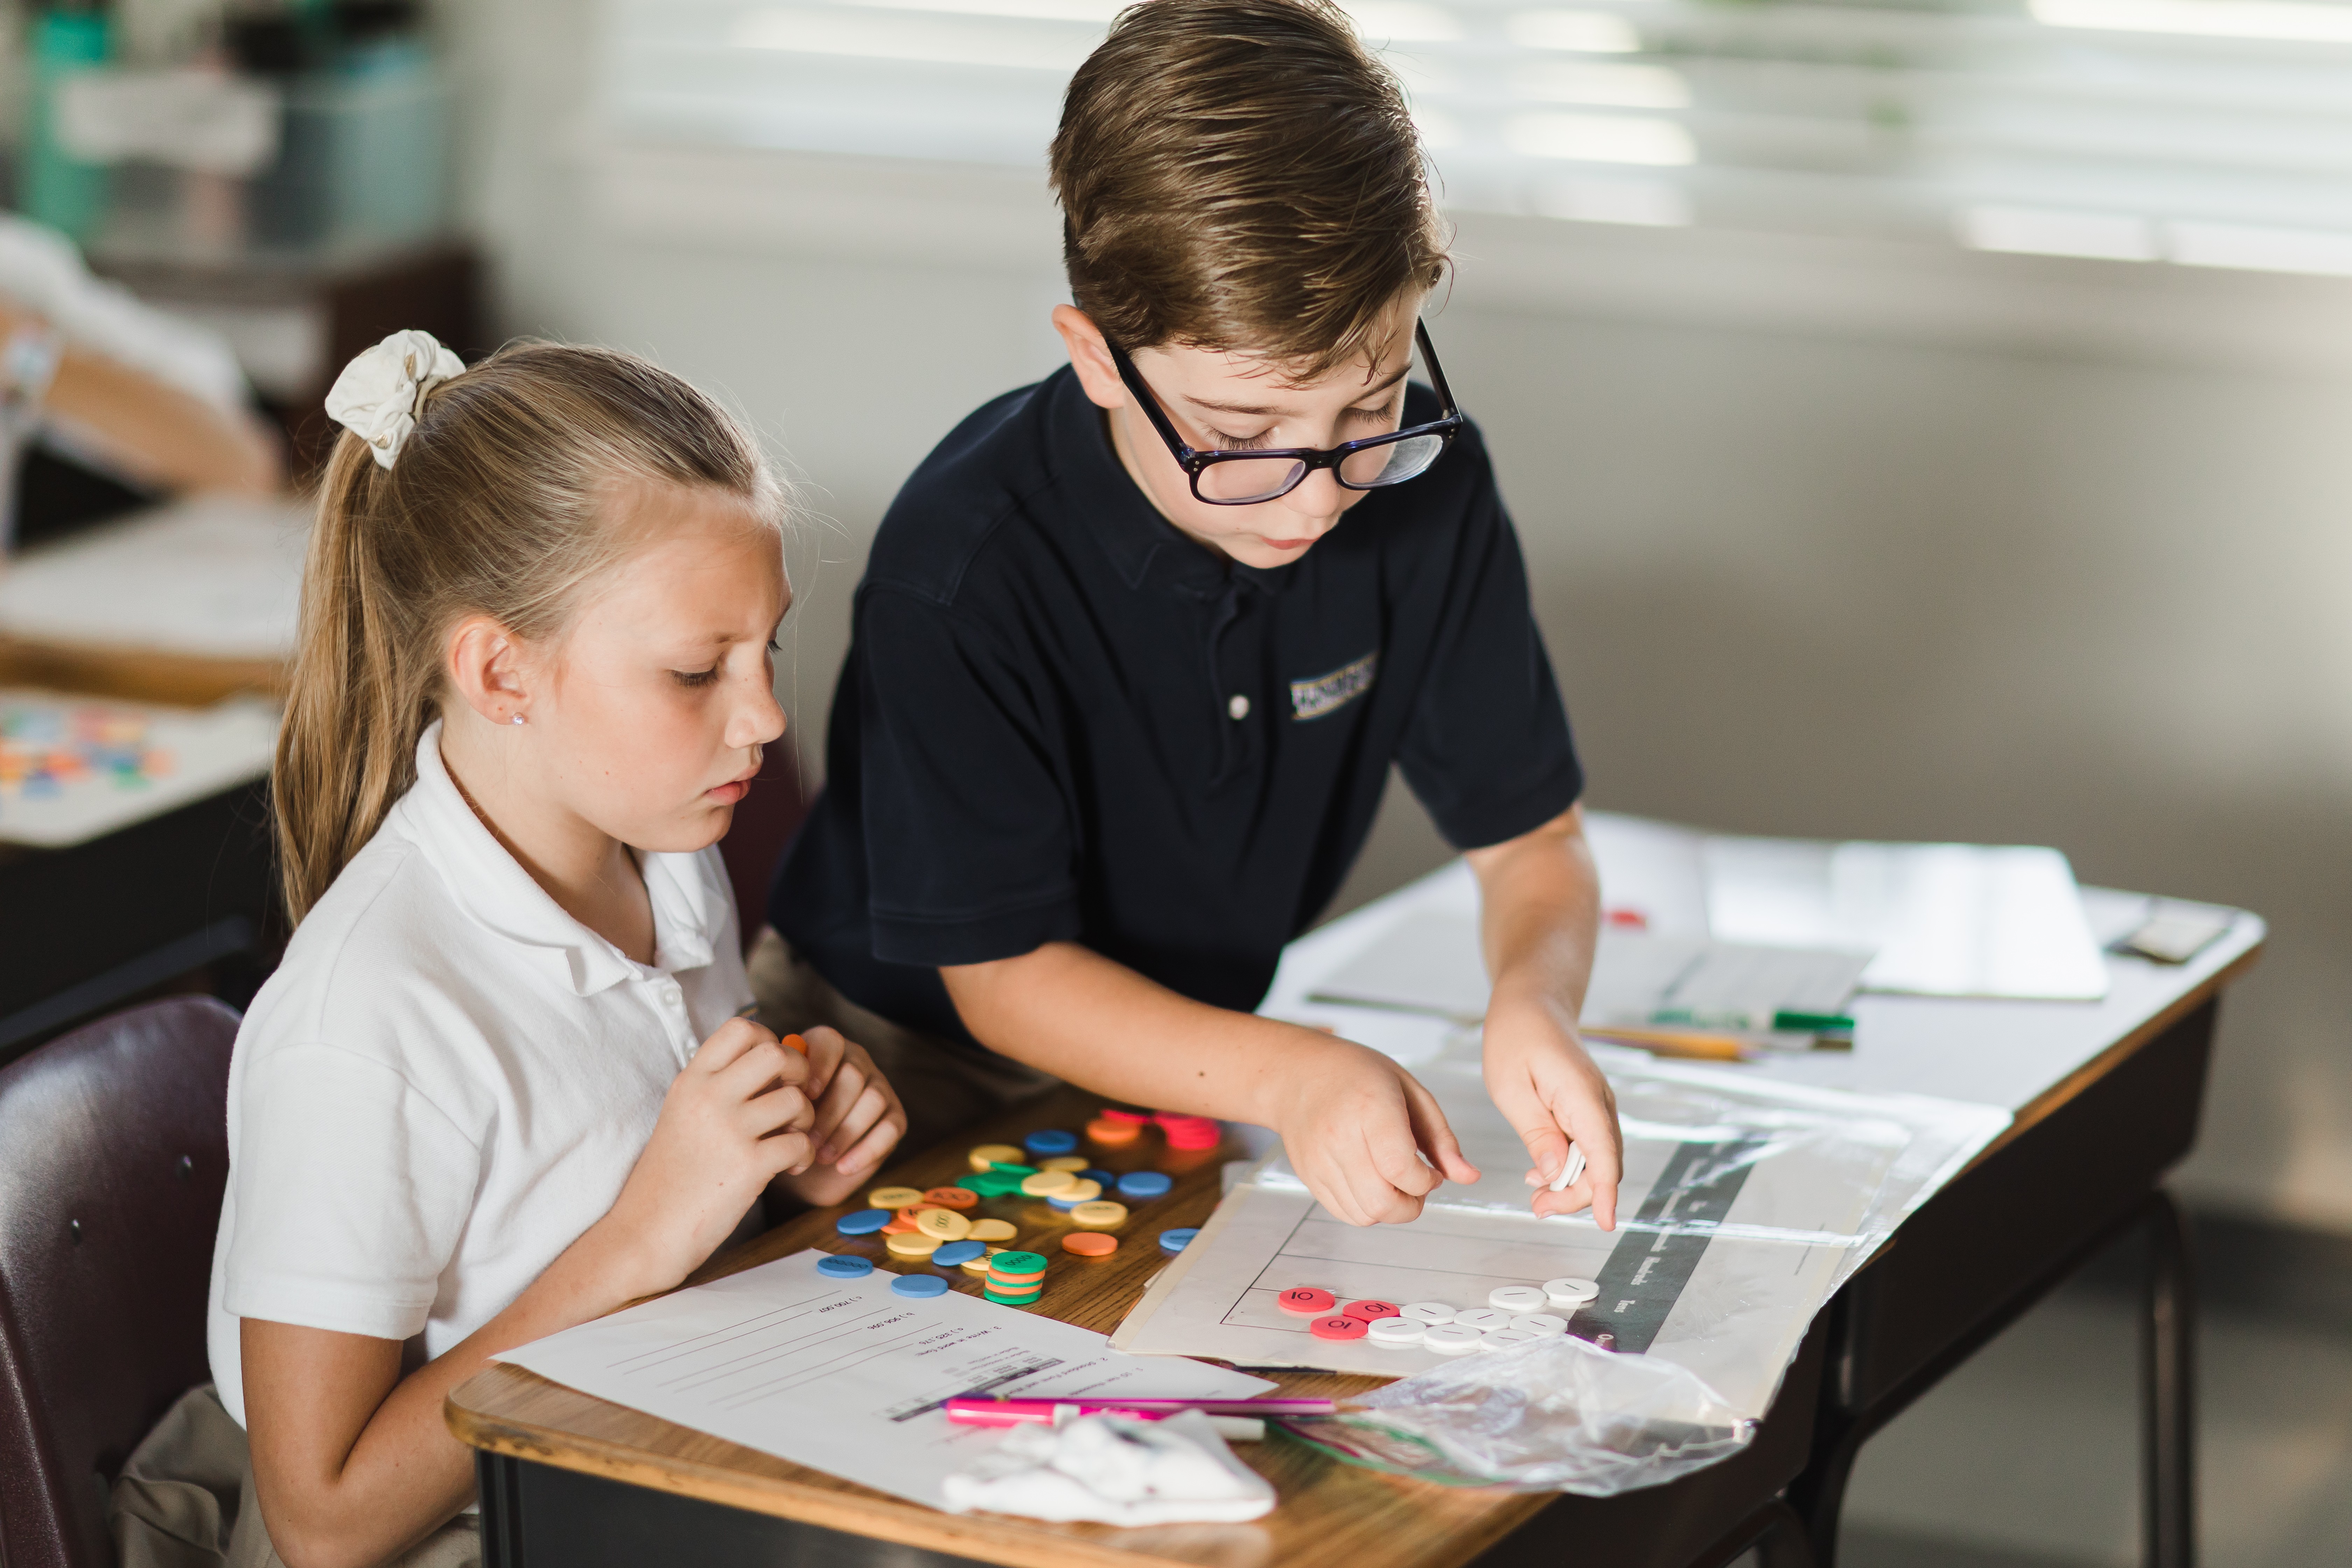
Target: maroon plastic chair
[
  {"x": 114, "y": 1156},
  {"x": 766, "y": 821}
]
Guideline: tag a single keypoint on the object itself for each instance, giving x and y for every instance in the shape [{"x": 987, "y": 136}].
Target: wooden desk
[
  {"x": 2105, "y": 1096},
  {"x": 572, "y": 1480}
]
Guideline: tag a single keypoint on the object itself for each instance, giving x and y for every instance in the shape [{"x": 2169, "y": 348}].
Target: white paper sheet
[
  {"x": 845, "y": 1376},
  {"x": 1430, "y": 963},
  {"x": 214, "y": 577},
  {"x": 1745, "y": 1205}
]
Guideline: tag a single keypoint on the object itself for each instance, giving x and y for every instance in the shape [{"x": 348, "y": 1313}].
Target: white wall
[{"x": 1797, "y": 579}]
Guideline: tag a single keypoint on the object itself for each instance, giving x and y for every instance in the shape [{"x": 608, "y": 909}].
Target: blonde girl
[{"x": 499, "y": 1085}]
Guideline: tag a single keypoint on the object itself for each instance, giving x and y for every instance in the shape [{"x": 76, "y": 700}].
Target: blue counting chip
[
  {"x": 1102, "y": 1179},
  {"x": 864, "y": 1222},
  {"x": 919, "y": 1284},
  {"x": 1178, "y": 1240},
  {"x": 1063, "y": 1202},
  {"x": 952, "y": 1253},
  {"x": 845, "y": 1267},
  {"x": 1051, "y": 1142},
  {"x": 1144, "y": 1185}
]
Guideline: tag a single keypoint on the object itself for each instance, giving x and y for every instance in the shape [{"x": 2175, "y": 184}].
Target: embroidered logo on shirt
[{"x": 1321, "y": 694}]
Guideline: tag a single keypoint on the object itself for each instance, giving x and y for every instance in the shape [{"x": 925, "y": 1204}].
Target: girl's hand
[
  {"x": 735, "y": 1118},
  {"x": 1543, "y": 1082},
  {"x": 859, "y": 1119},
  {"x": 1363, "y": 1134}
]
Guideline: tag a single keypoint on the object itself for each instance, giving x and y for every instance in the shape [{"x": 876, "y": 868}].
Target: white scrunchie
[{"x": 377, "y": 396}]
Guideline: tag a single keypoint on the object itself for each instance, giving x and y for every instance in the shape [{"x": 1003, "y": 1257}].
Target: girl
[{"x": 499, "y": 1085}]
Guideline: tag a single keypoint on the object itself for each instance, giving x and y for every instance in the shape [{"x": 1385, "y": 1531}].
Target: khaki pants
[
  {"x": 944, "y": 1086},
  {"x": 185, "y": 1499}
]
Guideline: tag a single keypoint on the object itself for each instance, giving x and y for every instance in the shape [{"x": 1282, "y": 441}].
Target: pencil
[{"x": 1675, "y": 1042}]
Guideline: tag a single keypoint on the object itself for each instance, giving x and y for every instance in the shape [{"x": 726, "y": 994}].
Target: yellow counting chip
[
  {"x": 914, "y": 1244},
  {"x": 1045, "y": 1184},
  {"x": 1084, "y": 1193},
  {"x": 893, "y": 1197},
  {"x": 977, "y": 1265},
  {"x": 1101, "y": 1215},
  {"x": 991, "y": 1230},
  {"x": 942, "y": 1224},
  {"x": 1063, "y": 1163},
  {"x": 989, "y": 1154}
]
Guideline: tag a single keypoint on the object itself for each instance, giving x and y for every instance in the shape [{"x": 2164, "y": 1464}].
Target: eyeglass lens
[{"x": 1243, "y": 479}]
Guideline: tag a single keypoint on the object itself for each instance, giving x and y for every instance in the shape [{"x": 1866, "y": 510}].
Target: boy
[{"x": 1116, "y": 715}]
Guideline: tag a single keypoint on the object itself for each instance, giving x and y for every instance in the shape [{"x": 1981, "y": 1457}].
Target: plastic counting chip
[
  {"x": 1050, "y": 1140},
  {"x": 1090, "y": 1243},
  {"x": 914, "y": 1244},
  {"x": 1429, "y": 1312},
  {"x": 1570, "y": 1292},
  {"x": 1395, "y": 1331},
  {"x": 1483, "y": 1318},
  {"x": 894, "y": 1197},
  {"x": 1306, "y": 1301},
  {"x": 1338, "y": 1327},
  {"x": 1010, "y": 1265},
  {"x": 1504, "y": 1338},
  {"x": 1177, "y": 1240},
  {"x": 958, "y": 1253},
  {"x": 1125, "y": 1117},
  {"x": 1451, "y": 1339},
  {"x": 1371, "y": 1311},
  {"x": 1045, "y": 1184},
  {"x": 1100, "y": 1215},
  {"x": 1074, "y": 1163},
  {"x": 989, "y": 1155},
  {"x": 1112, "y": 1134},
  {"x": 864, "y": 1222},
  {"x": 844, "y": 1268},
  {"x": 943, "y": 1224},
  {"x": 1082, "y": 1191},
  {"x": 1517, "y": 1298},
  {"x": 919, "y": 1284},
  {"x": 952, "y": 1197},
  {"x": 1144, "y": 1185},
  {"x": 1543, "y": 1324},
  {"x": 992, "y": 1230}
]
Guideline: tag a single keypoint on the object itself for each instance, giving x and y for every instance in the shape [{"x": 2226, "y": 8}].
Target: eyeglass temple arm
[{"x": 1142, "y": 391}]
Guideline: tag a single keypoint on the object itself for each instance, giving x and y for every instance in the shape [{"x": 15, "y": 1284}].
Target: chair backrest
[
  {"x": 766, "y": 821},
  {"x": 113, "y": 1157}
]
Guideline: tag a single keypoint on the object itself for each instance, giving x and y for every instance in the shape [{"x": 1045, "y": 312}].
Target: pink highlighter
[{"x": 977, "y": 1410}]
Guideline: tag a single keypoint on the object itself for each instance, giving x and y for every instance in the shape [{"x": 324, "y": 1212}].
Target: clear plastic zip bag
[{"x": 1559, "y": 1414}]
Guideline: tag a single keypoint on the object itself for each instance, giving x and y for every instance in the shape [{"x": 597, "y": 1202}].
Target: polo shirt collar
[
  {"x": 1142, "y": 545},
  {"x": 494, "y": 889}
]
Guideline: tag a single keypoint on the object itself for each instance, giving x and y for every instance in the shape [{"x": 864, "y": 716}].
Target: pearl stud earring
[{"x": 518, "y": 718}]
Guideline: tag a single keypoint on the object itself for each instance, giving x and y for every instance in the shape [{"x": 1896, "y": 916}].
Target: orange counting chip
[
  {"x": 952, "y": 1197},
  {"x": 1090, "y": 1243},
  {"x": 1306, "y": 1301},
  {"x": 900, "y": 1223},
  {"x": 1113, "y": 1133},
  {"x": 797, "y": 1044}
]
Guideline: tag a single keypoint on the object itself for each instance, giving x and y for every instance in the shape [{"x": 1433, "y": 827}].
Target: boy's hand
[
  {"x": 735, "y": 1117},
  {"x": 859, "y": 1118},
  {"x": 1550, "y": 1092},
  {"x": 1365, "y": 1136}
]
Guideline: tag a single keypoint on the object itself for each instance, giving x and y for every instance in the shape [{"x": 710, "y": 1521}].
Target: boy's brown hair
[{"x": 1242, "y": 175}]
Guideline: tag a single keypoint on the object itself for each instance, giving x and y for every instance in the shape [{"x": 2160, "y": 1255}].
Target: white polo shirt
[{"x": 448, "y": 1080}]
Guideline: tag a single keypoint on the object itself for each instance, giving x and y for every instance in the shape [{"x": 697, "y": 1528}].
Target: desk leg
[
  {"x": 2167, "y": 1393},
  {"x": 497, "y": 1485}
]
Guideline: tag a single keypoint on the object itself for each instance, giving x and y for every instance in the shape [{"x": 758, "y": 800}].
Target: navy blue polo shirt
[{"x": 1062, "y": 719}]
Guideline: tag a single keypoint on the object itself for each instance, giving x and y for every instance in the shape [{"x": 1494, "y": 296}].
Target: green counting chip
[
  {"x": 1013, "y": 1301},
  {"x": 991, "y": 1185},
  {"x": 1017, "y": 1262},
  {"x": 1013, "y": 1170}
]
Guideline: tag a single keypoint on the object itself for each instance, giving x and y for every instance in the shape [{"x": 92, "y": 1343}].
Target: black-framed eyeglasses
[{"x": 1246, "y": 479}]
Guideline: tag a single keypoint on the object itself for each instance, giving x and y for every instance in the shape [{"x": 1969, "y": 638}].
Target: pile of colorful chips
[
  {"x": 44, "y": 747},
  {"x": 1431, "y": 1325},
  {"x": 1190, "y": 1131},
  {"x": 1015, "y": 1278}
]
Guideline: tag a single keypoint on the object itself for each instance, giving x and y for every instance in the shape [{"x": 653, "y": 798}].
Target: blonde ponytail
[{"x": 497, "y": 505}]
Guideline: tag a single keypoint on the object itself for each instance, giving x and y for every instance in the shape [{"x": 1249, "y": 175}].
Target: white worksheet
[{"x": 845, "y": 1377}]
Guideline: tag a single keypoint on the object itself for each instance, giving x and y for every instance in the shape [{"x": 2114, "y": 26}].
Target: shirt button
[{"x": 1238, "y": 706}]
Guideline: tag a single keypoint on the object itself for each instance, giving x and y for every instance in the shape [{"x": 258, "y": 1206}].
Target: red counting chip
[
  {"x": 1132, "y": 1118},
  {"x": 1371, "y": 1311},
  {"x": 1342, "y": 1327},
  {"x": 1306, "y": 1301}
]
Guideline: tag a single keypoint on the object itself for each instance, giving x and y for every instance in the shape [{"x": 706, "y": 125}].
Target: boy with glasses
[{"x": 1136, "y": 646}]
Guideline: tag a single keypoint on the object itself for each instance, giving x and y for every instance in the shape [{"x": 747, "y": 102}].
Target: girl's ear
[
  {"x": 487, "y": 669},
  {"x": 1090, "y": 357}
]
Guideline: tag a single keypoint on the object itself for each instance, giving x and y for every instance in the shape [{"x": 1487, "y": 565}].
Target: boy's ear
[{"x": 1090, "y": 357}]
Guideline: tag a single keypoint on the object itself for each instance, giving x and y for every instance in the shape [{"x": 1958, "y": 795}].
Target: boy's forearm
[
  {"x": 1069, "y": 1011},
  {"x": 1539, "y": 899}
]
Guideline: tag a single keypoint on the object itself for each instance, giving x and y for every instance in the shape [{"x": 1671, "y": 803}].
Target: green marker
[{"x": 1812, "y": 1022}]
